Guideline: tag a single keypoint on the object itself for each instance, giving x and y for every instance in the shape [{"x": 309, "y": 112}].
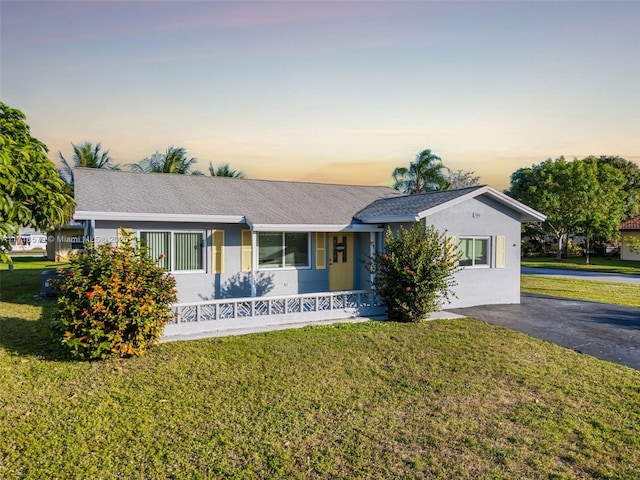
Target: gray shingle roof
[
  {"x": 260, "y": 201},
  {"x": 411, "y": 205}
]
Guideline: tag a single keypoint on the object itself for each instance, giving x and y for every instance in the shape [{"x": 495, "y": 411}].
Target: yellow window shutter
[
  {"x": 321, "y": 251},
  {"x": 246, "y": 251},
  {"x": 500, "y": 251},
  {"x": 217, "y": 251},
  {"x": 122, "y": 233}
]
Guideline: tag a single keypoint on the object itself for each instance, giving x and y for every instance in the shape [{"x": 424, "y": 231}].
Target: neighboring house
[
  {"x": 226, "y": 238},
  {"x": 27, "y": 239},
  {"x": 65, "y": 240},
  {"x": 630, "y": 228}
]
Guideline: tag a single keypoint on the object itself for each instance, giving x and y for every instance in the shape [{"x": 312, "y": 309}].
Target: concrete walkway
[
  {"x": 582, "y": 275},
  {"x": 283, "y": 326}
]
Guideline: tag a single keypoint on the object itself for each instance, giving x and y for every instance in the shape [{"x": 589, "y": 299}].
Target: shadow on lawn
[
  {"x": 21, "y": 286},
  {"x": 31, "y": 338}
]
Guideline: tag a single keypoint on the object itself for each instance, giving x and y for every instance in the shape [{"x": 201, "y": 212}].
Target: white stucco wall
[
  {"x": 482, "y": 216},
  {"x": 625, "y": 251},
  {"x": 232, "y": 283}
]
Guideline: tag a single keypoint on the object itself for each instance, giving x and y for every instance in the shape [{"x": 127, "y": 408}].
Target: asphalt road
[
  {"x": 582, "y": 275},
  {"x": 608, "y": 332}
]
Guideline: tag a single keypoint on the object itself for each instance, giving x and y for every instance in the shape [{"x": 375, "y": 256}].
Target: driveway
[{"x": 608, "y": 332}]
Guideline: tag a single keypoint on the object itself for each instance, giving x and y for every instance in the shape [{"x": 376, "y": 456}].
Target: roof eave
[
  {"x": 528, "y": 218},
  {"x": 528, "y": 214},
  {"x": 157, "y": 217},
  {"x": 389, "y": 219},
  {"x": 279, "y": 227}
]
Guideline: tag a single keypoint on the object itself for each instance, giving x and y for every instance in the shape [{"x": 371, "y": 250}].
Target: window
[
  {"x": 283, "y": 250},
  {"x": 77, "y": 242},
  {"x": 175, "y": 251},
  {"x": 474, "y": 252}
]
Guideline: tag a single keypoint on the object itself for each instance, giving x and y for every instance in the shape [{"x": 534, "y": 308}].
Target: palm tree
[
  {"x": 425, "y": 174},
  {"x": 175, "y": 160},
  {"x": 85, "y": 155},
  {"x": 224, "y": 171}
]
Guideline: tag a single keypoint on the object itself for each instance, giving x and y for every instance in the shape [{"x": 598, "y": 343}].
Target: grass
[
  {"x": 597, "y": 264},
  {"x": 22, "y": 285},
  {"x": 36, "y": 252},
  {"x": 443, "y": 399},
  {"x": 624, "y": 294}
]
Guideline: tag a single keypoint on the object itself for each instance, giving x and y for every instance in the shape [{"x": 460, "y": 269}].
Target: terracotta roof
[{"x": 631, "y": 224}]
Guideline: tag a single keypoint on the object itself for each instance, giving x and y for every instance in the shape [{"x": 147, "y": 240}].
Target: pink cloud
[{"x": 77, "y": 22}]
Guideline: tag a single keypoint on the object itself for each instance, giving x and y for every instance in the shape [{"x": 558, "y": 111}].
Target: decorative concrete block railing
[{"x": 238, "y": 313}]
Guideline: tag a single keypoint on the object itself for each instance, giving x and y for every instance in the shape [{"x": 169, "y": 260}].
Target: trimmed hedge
[{"x": 414, "y": 275}]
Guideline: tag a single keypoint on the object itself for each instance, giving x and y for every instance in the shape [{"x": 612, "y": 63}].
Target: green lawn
[
  {"x": 597, "y": 264},
  {"x": 624, "y": 294},
  {"x": 442, "y": 399},
  {"x": 21, "y": 284}
]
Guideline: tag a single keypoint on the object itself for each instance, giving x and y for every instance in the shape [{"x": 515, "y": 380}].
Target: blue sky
[{"x": 328, "y": 91}]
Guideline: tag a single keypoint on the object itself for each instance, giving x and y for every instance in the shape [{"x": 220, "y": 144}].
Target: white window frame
[
  {"x": 172, "y": 257},
  {"x": 473, "y": 256},
  {"x": 283, "y": 267}
]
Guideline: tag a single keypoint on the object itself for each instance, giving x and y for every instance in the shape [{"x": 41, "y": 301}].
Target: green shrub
[
  {"x": 632, "y": 243},
  {"x": 113, "y": 301},
  {"x": 574, "y": 249},
  {"x": 414, "y": 275}
]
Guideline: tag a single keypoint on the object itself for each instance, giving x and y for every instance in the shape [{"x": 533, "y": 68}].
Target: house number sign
[{"x": 340, "y": 248}]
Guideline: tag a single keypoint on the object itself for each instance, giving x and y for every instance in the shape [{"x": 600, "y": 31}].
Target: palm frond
[
  {"x": 426, "y": 173},
  {"x": 225, "y": 170},
  {"x": 85, "y": 155}
]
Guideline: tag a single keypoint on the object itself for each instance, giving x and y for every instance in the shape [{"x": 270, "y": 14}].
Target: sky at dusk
[{"x": 338, "y": 92}]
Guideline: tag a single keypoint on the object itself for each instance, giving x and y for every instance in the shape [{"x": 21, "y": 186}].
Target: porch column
[
  {"x": 372, "y": 252},
  {"x": 91, "y": 234}
]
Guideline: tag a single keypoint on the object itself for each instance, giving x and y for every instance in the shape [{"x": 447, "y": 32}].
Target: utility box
[{"x": 46, "y": 288}]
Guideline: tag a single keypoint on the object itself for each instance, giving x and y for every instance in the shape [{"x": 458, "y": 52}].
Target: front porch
[
  {"x": 230, "y": 314},
  {"x": 235, "y": 314}
]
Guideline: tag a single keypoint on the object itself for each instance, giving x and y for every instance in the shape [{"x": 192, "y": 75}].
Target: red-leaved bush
[{"x": 112, "y": 301}]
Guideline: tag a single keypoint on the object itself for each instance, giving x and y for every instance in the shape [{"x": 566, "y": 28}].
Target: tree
[
  {"x": 578, "y": 197},
  {"x": 85, "y": 155},
  {"x": 31, "y": 190},
  {"x": 225, "y": 170},
  {"x": 425, "y": 174},
  {"x": 462, "y": 178},
  {"x": 602, "y": 200},
  {"x": 631, "y": 172},
  {"x": 174, "y": 160},
  {"x": 541, "y": 187}
]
